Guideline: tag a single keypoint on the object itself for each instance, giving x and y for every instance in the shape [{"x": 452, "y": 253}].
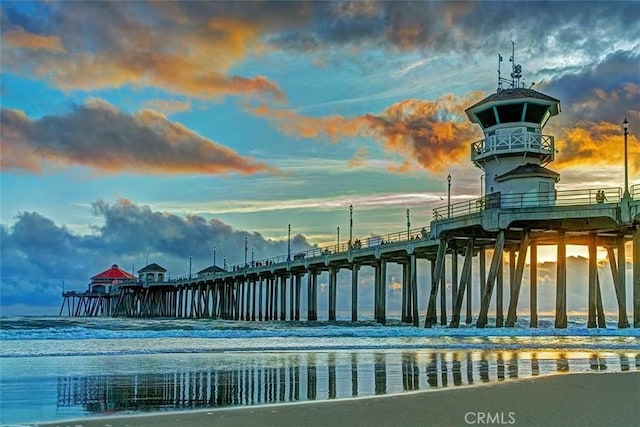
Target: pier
[
  {"x": 520, "y": 210},
  {"x": 484, "y": 229}
]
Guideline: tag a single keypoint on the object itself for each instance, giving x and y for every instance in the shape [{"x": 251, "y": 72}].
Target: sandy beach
[{"x": 603, "y": 399}]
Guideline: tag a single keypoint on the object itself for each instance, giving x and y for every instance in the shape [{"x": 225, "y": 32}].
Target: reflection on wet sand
[{"x": 333, "y": 375}]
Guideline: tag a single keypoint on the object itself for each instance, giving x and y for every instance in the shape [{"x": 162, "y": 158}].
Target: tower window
[
  {"x": 535, "y": 113},
  {"x": 486, "y": 117},
  {"x": 510, "y": 113}
]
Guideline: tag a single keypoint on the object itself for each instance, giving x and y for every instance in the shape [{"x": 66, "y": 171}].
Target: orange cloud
[
  {"x": 189, "y": 58},
  {"x": 433, "y": 134},
  {"x": 168, "y": 106},
  {"x": 101, "y": 137},
  {"x": 596, "y": 143},
  {"x": 21, "y": 39}
]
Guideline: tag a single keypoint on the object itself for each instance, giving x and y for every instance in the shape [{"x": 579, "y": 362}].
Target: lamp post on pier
[
  {"x": 189, "y": 268},
  {"x": 350, "y": 226},
  {"x": 289, "y": 244},
  {"x": 408, "y": 224},
  {"x": 214, "y": 257},
  {"x": 338, "y": 247},
  {"x": 245, "y": 252},
  {"x": 449, "y": 196},
  {"x": 625, "y": 127}
]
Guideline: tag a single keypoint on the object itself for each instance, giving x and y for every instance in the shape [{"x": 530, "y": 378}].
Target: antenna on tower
[
  {"x": 516, "y": 71},
  {"x": 499, "y": 77}
]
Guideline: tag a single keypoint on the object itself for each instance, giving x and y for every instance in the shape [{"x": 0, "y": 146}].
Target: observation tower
[{"x": 514, "y": 152}]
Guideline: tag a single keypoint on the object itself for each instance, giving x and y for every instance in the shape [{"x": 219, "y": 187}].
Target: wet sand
[{"x": 602, "y": 399}]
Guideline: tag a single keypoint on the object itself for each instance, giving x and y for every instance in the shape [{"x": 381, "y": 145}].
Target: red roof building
[{"x": 100, "y": 282}]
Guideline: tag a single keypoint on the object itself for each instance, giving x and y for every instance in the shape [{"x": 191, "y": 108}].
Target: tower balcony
[{"x": 515, "y": 143}]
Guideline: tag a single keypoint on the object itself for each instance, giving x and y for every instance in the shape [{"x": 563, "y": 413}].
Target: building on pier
[
  {"x": 103, "y": 282},
  {"x": 520, "y": 210},
  {"x": 152, "y": 273}
]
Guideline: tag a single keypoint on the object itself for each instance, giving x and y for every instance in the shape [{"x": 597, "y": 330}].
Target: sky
[{"x": 138, "y": 132}]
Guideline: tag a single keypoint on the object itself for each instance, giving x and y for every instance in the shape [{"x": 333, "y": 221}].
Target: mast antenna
[{"x": 516, "y": 71}]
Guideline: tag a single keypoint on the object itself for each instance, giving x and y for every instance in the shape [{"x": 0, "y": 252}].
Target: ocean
[{"x": 58, "y": 368}]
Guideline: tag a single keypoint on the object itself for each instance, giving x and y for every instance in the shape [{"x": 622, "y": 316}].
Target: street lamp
[
  {"x": 338, "y": 249},
  {"x": 189, "y": 267},
  {"x": 214, "y": 257},
  {"x": 625, "y": 127},
  {"x": 245, "y": 251},
  {"x": 350, "y": 226},
  {"x": 449, "y": 196},
  {"x": 289, "y": 244},
  {"x": 253, "y": 261},
  {"x": 408, "y": 224}
]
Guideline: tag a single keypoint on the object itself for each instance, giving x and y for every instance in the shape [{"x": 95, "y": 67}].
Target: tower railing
[
  {"x": 514, "y": 143},
  {"x": 588, "y": 196}
]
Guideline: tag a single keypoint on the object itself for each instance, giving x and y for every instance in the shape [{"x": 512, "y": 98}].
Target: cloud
[
  {"x": 431, "y": 134},
  {"x": 130, "y": 235},
  {"x": 168, "y": 106},
  {"x": 101, "y": 137},
  {"x": 596, "y": 143},
  {"x": 19, "y": 38},
  {"x": 134, "y": 44}
]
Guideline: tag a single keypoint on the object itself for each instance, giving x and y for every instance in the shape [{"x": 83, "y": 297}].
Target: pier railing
[
  {"x": 580, "y": 197},
  {"x": 635, "y": 192},
  {"x": 343, "y": 247}
]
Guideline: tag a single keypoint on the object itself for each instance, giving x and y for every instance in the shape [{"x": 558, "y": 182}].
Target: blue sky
[{"x": 136, "y": 131}]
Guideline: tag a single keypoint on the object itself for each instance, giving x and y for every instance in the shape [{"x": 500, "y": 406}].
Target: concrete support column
[
  {"x": 500, "y": 295},
  {"x": 354, "y": 292},
  {"x": 298, "y": 286},
  {"x": 436, "y": 273},
  {"x": 283, "y": 297},
  {"x": 253, "y": 300},
  {"x": 274, "y": 314},
  {"x": 333, "y": 278},
  {"x": 482, "y": 261},
  {"x": 516, "y": 278},
  {"x": 636, "y": 277},
  {"x": 533, "y": 283},
  {"x": 383, "y": 292},
  {"x": 496, "y": 260},
  {"x": 454, "y": 275},
  {"x": 464, "y": 280},
  {"x": 260, "y": 280},
  {"x": 623, "y": 321},
  {"x": 443, "y": 292},
  {"x": 561, "y": 282},
  {"x": 413, "y": 285},
  {"x": 292, "y": 296},
  {"x": 312, "y": 296},
  {"x": 469, "y": 293},
  {"x": 593, "y": 281},
  {"x": 404, "y": 304}
]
